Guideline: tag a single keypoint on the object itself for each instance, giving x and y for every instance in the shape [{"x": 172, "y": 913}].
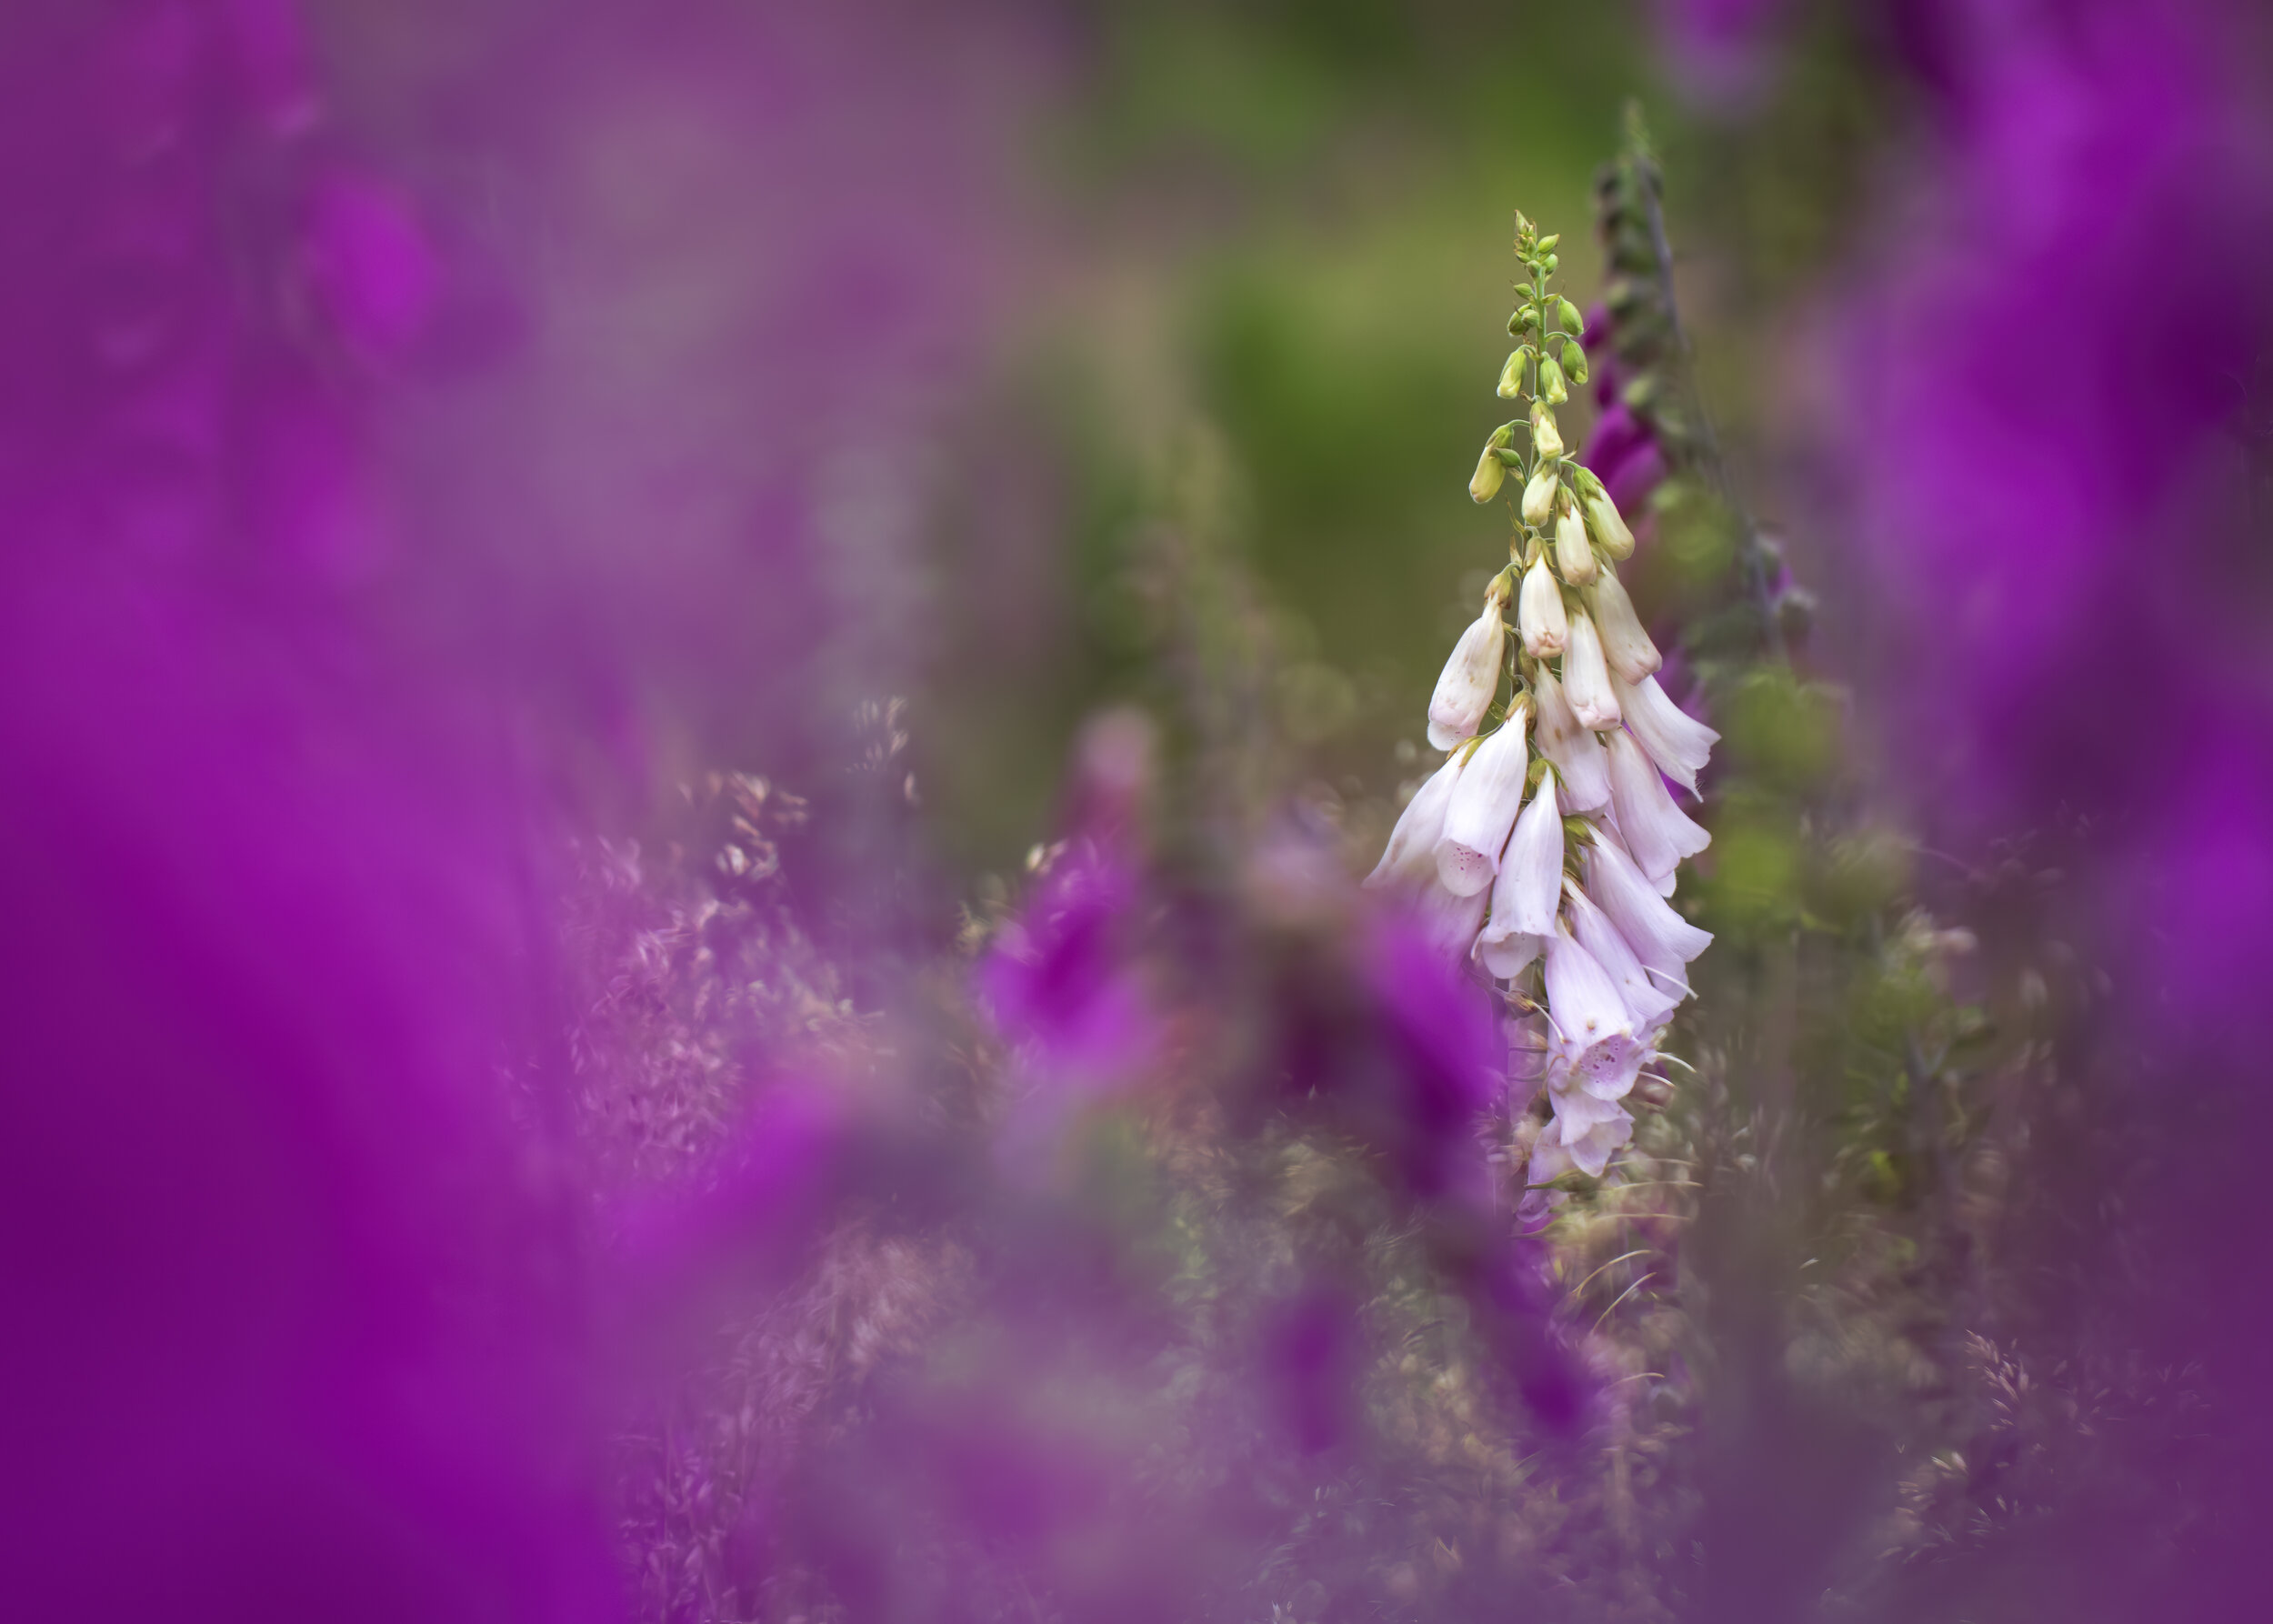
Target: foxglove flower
[
  {"x": 1632, "y": 657},
  {"x": 1649, "y": 1001},
  {"x": 1484, "y": 484},
  {"x": 1530, "y": 883},
  {"x": 1658, "y": 833},
  {"x": 1411, "y": 853},
  {"x": 1678, "y": 743},
  {"x": 1539, "y": 616},
  {"x": 1483, "y": 806},
  {"x": 1506, "y": 956},
  {"x": 1573, "y": 557},
  {"x": 1593, "y": 1027},
  {"x": 1662, "y": 939},
  {"x": 1580, "y": 1136},
  {"x": 1579, "y": 759},
  {"x": 1609, "y": 529},
  {"x": 1449, "y": 921},
  {"x": 1539, "y": 496},
  {"x": 1587, "y": 677},
  {"x": 1471, "y": 677}
]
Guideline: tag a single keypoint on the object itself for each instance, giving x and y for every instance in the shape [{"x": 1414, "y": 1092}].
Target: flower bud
[
  {"x": 1539, "y": 616},
  {"x": 1573, "y": 557},
  {"x": 1585, "y": 682},
  {"x": 1547, "y": 243},
  {"x": 1627, "y": 647},
  {"x": 1574, "y": 361},
  {"x": 1411, "y": 853},
  {"x": 1483, "y": 806},
  {"x": 1546, "y": 440},
  {"x": 1539, "y": 496},
  {"x": 1578, "y": 755},
  {"x": 1567, "y": 314},
  {"x": 1524, "y": 320},
  {"x": 1470, "y": 678},
  {"x": 1511, "y": 375},
  {"x": 1551, "y": 386},
  {"x": 1609, "y": 529},
  {"x": 1484, "y": 484},
  {"x": 1658, "y": 833},
  {"x": 1678, "y": 742}
]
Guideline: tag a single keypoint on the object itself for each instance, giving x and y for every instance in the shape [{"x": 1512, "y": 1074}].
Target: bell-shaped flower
[
  {"x": 1538, "y": 494},
  {"x": 1506, "y": 957},
  {"x": 1609, "y": 529},
  {"x": 1448, "y": 922},
  {"x": 1587, "y": 1133},
  {"x": 1678, "y": 742},
  {"x": 1649, "y": 1002},
  {"x": 1484, "y": 484},
  {"x": 1530, "y": 884},
  {"x": 1658, "y": 833},
  {"x": 1471, "y": 677},
  {"x": 1625, "y": 645},
  {"x": 1587, "y": 677},
  {"x": 1579, "y": 757},
  {"x": 1411, "y": 853},
  {"x": 1546, "y": 440},
  {"x": 1662, "y": 939},
  {"x": 1593, "y": 1026},
  {"x": 1573, "y": 557},
  {"x": 1483, "y": 806},
  {"x": 1539, "y": 616}
]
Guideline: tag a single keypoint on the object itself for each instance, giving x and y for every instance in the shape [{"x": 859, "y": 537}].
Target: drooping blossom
[
  {"x": 1580, "y": 761},
  {"x": 1626, "y": 646},
  {"x": 1411, "y": 853},
  {"x": 1470, "y": 679},
  {"x": 1539, "y": 614},
  {"x": 1658, "y": 833},
  {"x": 1484, "y": 805},
  {"x": 1587, "y": 677},
  {"x": 1676, "y": 741}
]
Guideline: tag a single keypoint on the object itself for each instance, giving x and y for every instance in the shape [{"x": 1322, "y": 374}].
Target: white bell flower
[
  {"x": 1530, "y": 884},
  {"x": 1658, "y": 833},
  {"x": 1586, "y": 679},
  {"x": 1651, "y": 1002},
  {"x": 1579, "y": 757},
  {"x": 1484, "y": 805},
  {"x": 1449, "y": 922},
  {"x": 1539, "y": 616},
  {"x": 1573, "y": 557},
  {"x": 1678, "y": 742},
  {"x": 1586, "y": 1139},
  {"x": 1411, "y": 853},
  {"x": 1662, "y": 939},
  {"x": 1627, "y": 647},
  {"x": 1593, "y": 1026},
  {"x": 1538, "y": 494},
  {"x": 1471, "y": 677},
  {"x": 1506, "y": 956}
]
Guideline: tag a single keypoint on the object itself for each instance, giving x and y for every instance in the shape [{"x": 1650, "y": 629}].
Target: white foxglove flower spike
[
  {"x": 1530, "y": 884},
  {"x": 1411, "y": 853},
  {"x": 1658, "y": 833},
  {"x": 1678, "y": 742},
  {"x": 1627, "y": 647},
  {"x": 1483, "y": 805},
  {"x": 1586, "y": 679},
  {"x": 1471, "y": 677},
  {"x": 1662, "y": 939},
  {"x": 1651, "y": 1002},
  {"x": 1539, "y": 616},
  {"x": 1579, "y": 757},
  {"x": 1573, "y": 557}
]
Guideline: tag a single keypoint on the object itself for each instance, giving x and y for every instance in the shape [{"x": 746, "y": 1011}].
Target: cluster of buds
[{"x": 1552, "y": 870}]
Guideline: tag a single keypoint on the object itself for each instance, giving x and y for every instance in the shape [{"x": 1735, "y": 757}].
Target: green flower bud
[
  {"x": 1551, "y": 388},
  {"x": 1547, "y": 243},
  {"x": 1567, "y": 314},
  {"x": 1523, "y": 321},
  {"x": 1511, "y": 377},
  {"x": 1609, "y": 529},
  {"x": 1484, "y": 485},
  {"x": 1553, "y": 261},
  {"x": 1574, "y": 361}
]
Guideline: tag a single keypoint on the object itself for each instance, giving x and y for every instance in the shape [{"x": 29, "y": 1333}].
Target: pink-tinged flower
[
  {"x": 1411, "y": 853},
  {"x": 1662, "y": 939},
  {"x": 1471, "y": 677},
  {"x": 1483, "y": 805},
  {"x": 1648, "y": 998},
  {"x": 1593, "y": 1030},
  {"x": 1587, "y": 677},
  {"x": 1626, "y": 646},
  {"x": 1529, "y": 887},
  {"x": 1539, "y": 616},
  {"x": 1658, "y": 833},
  {"x": 1585, "y": 1133},
  {"x": 1573, "y": 557},
  {"x": 1508, "y": 957},
  {"x": 1448, "y": 921},
  {"x": 1678, "y": 743},
  {"x": 1579, "y": 759}
]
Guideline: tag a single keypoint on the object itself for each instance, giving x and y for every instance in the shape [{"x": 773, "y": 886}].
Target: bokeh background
[{"x": 688, "y": 692}]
